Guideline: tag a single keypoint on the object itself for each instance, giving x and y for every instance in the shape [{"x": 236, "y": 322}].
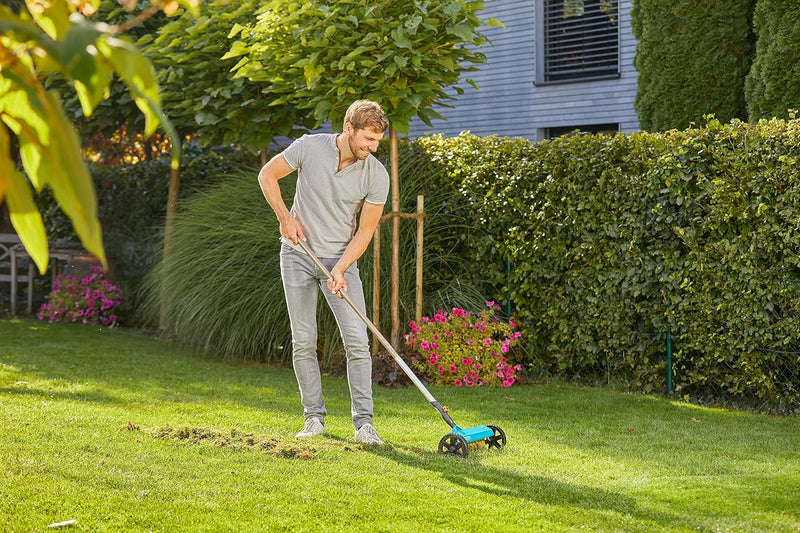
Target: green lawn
[{"x": 83, "y": 413}]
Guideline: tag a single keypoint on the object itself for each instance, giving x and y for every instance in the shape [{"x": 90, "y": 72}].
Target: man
[{"x": 337, "y": 177}]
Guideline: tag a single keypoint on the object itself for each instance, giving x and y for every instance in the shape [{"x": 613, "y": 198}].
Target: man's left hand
[{"x": 337, "y": 283}]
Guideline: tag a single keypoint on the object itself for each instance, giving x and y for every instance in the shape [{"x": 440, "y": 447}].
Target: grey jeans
[{"x": 302, "y": 281}]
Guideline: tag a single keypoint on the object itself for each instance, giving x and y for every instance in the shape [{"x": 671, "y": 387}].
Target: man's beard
[{"x": 356, "y": 152}]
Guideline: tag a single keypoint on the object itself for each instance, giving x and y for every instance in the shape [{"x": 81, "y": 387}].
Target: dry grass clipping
[{"x": 233, "y": 439}]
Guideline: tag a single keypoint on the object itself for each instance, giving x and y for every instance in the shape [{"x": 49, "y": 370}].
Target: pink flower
[
  {"x": 487, "y": 342},
  {"x": 425, "y": 345},
  {"x": 457, "y": 383},
  {"x": 453, "y": 369}
]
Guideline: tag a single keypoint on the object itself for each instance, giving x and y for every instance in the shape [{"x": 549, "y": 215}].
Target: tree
[
  {"x": 773, "y": 85},
  {"x": 692, "y": 59},
  {"x": 57, "y": 38},
  {"x": 201, "y": 94},
  {"x": 320, "y": 56}
]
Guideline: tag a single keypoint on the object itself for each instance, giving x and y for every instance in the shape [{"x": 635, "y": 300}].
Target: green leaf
[
  {"x": 204, "y": 119},
  {"x": 235, "y": 30},
  {"x": 311, "y": 73},
  {"x": 138, "y": 74},
  {"x": 321, "y": 109},
  {"x": 463, "y": 31},
  {"x": 80, "y": 63},
  {"x": 238, "y": 48}
]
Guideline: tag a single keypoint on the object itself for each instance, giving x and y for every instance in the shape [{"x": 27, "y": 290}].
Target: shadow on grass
[
  {"x": 94, "y": 396},
  {"x": 471, "y": 475},
  {"x": 86, "y": 364}
]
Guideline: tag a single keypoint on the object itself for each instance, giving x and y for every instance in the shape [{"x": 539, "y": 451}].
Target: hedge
[
  {"x": 772, "y": 86},
  {"x": 692, "y": 58},
  {"x": 614, "y": 240}
]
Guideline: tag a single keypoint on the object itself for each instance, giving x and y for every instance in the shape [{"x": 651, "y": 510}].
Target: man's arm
[
  {"x": 268, "y": 177},
  {"x": 367, "y": 222}
]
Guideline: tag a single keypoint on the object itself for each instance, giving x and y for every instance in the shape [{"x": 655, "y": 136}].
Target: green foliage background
[
  {"x": 692, "y": 58},
  {"x": 616, "y": 239},
  {"x": 773, "y": 83},
  {"x": 612, "y": 241}
]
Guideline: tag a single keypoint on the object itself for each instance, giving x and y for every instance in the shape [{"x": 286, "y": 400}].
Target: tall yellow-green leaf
[
  {"x": 50, "y": 152},
  {"x": 22, "y": 209},
  {"x": 138, "y": 74}
]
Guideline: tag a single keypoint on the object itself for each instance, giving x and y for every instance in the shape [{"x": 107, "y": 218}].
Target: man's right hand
[{"x": 291, "y": 229}]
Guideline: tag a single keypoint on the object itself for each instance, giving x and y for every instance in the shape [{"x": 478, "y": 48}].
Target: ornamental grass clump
[
  {"x": 89, "y": 300},
  {"x": 464, "y": 349}
]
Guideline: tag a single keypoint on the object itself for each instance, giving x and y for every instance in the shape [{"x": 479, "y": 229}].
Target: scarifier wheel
[
  {"x": 498, "y": 440},
  {"x": 453, "y": 444}
]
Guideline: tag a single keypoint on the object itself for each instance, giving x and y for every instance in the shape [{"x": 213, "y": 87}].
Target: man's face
[{"x": 364, "y": 141}]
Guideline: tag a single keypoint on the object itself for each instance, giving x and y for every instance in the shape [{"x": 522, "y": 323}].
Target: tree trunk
[
  {"x": 172, "y": 209},
  {"x": 395, "y": 301}
]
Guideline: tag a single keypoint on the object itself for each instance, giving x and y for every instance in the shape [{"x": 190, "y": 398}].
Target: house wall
[{"x": 510, "y": 104}]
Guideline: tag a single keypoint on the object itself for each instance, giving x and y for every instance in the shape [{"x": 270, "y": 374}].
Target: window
[
  {"x": 552, "y": 133},
  {"x": 577, "y": 40}
]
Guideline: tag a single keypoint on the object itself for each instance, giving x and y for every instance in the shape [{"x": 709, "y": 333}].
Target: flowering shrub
[
  {"x": 462, "y": 349},
  {"x": 90, "y": 300}
]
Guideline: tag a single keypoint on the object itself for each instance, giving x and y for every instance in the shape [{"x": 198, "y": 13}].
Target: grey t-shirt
[{"x": 327, "y": 201}]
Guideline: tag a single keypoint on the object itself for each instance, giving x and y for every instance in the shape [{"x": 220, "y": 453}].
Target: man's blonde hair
[{"x": 364, "y": 114}]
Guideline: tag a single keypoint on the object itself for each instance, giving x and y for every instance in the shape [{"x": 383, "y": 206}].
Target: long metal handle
[{"x": 386, "y": 344}]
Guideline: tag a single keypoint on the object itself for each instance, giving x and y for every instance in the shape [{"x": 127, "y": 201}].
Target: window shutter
[{"x": 581, "y": 39}]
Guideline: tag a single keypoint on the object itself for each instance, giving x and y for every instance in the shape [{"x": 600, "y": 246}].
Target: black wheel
[
  {"x": 453, "y": 444},
  {"x": 498, "y": 440}
]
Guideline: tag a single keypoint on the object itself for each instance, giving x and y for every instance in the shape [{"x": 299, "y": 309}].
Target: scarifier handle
[{"x": 386, "y": 344}]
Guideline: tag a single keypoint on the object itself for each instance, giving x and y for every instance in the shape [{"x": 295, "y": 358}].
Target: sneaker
[
  {"x": 311, "y": 428},
  {"x": 366, "y": 434}
]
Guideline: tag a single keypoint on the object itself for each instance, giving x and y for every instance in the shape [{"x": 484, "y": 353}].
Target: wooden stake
[
  {"x": 376, "y": 284},
  {"x": 394, "y": 338},
  {"x": 420, "y": 233}
]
